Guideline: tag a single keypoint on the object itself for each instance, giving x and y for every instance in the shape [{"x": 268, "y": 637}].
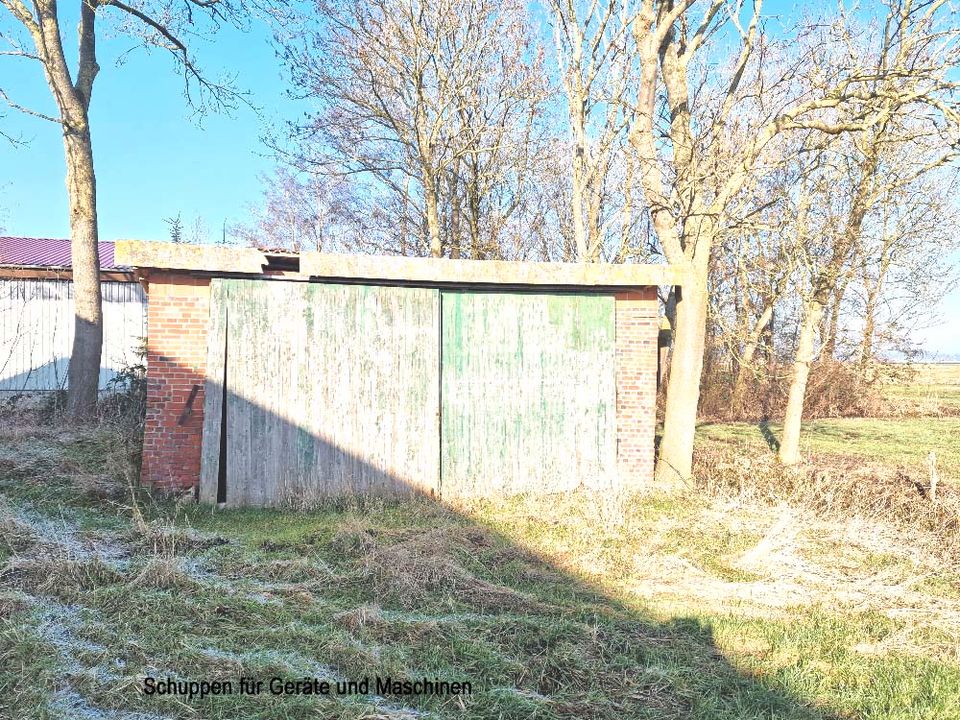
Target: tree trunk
[
  {"x": 869, "y": 327},
  {"x": 405, "y": 234},
  {"x": 752, "y": 342},
  {"x": 455, "y": 239},
  {"x": 793, "y": 416},
  {"x": 626, "y": 212},
  {"x": 576, "y": 206},
  {"x": 593, "y": 222},
  {"x": 670, "y": 314},
  {"x": 833, "y": 326},
  {"x": 874, "y": 288},
  {"x": 83, "y": 375},
  {"x": 675, "y": 463},
  {"x": 595, "y": 200},
  {"x": 433, "y": 216},
  {"x": 745, "y": 362},
  {"x": 477, "y": 252},
  {"x": 670, "y": 309}
]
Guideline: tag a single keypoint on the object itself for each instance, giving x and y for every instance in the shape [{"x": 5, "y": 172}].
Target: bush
[
  {"x": 126, "y": 402},
  {"x": 124, "y": 410},
  {"x": 834, "y": 389}
]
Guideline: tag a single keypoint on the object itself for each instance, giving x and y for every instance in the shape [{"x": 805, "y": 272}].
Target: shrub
[{"x": 834, "y": 389}]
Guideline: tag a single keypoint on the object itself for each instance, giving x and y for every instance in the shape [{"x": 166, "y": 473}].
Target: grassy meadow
[
  {"x": 946, "y": 397},
  {"x": 905, "y": 442},
  {"x": 696, "y": 606}
]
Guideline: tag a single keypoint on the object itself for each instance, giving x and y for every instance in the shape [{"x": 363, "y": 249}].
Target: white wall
[{"x": 36, "y": 331}]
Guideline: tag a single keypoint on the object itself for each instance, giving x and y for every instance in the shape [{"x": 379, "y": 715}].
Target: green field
[
  {"x": 901, "y": 441},
  {"x": 933, "y": 396},
  {"x": 926, "y": 373},
  {"x": 576, "y": 606}
]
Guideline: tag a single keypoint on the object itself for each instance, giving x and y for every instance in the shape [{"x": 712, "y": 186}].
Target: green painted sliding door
[
  {"x": 528, "y": 392},
  {"x": 335, "y": 390}
]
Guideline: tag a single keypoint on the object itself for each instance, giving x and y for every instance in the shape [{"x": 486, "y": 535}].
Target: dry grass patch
[
  {"x": 14, "y": 601},
  {"x": 165, "y": 539},
  {"x": 57, "y": 575},
  {"x": 361, "y": 617},
  {"x": 841, "y": 488},
  {"x": 433, "y": 563},
  {"x": 16, "y": 535},
  {"x": 305, "y": 571},
  {"x": 353, "y": 538},
  {"x": 165, "y": 573}
]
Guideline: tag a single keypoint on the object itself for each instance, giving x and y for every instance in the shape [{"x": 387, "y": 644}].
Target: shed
[
  {"x": 285, "y": 378},
  {"x": 37, "y": 314}
]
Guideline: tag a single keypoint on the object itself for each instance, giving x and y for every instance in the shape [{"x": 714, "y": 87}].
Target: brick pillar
[
  {"x": 177, "y": 317},
  {"x": 637, "y": 327}
]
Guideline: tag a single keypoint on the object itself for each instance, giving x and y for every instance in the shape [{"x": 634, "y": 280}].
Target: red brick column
[
  {"x": 177, "y": 317},
  {"x": 637, "y": 327}
]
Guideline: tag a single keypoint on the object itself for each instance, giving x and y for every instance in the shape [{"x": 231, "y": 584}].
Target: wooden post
[{"x": 934, "y": 475}]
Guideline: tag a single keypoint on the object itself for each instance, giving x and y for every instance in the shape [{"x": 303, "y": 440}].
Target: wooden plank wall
[
  {"x": 340, "y": 389},
  {"x": 36, "y": 332},
  {"x": 331, "y": 390},
  {"x": 214, "y": 392},
  {"x": 528, "y": 392}
]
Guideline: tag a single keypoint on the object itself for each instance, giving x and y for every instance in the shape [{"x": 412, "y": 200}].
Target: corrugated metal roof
[{"x": 47, "y": 252}]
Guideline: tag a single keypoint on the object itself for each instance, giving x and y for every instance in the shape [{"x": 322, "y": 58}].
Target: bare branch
[
  {"x": 25, "y": 110},
  {"x": 223, "y": 94},
  {"x": 20, "y": 11},
  {"x": 87, "y": 66}
]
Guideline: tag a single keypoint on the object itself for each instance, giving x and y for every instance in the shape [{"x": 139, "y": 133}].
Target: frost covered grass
[{"x": 563, "y": 607}]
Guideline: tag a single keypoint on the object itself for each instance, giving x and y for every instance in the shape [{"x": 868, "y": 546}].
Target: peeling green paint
[{"x": 527, "y": 391}]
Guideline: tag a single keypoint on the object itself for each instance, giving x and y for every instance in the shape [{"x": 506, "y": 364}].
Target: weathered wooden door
[
  {"x": 328, "y": 390},
  {"x": 528, "y": 392}
]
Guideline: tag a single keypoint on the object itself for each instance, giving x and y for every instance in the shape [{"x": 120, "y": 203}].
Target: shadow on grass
[
  {"x": 743, "y": 432},
  {"x": 404, "y": 587},
  {"x": 772, "y": 442}
]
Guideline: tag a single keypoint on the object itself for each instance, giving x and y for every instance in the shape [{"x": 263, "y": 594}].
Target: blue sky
[{"x": 154, "y": 159}]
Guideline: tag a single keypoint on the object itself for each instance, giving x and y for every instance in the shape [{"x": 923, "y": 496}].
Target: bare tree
[
  {"x": 753, "y": 265},
  {"x": 431, "y": 104},
  {"x": 596, "y": 55},
  {"x": 904, "y": 266},
  {"x": 303, "y": 213},
  {"x": 34, "y": 33},
  {"x": 849, "y": 183},
  {"x": 498, "y": 115},
  {"x": 692, "y": 167}
]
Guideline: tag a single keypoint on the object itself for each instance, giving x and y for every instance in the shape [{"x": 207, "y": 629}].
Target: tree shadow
[
  {"x": 52, "y": 377},
  {"x": 772, "y": 441},
  {"x": 534, "y": 639}
]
